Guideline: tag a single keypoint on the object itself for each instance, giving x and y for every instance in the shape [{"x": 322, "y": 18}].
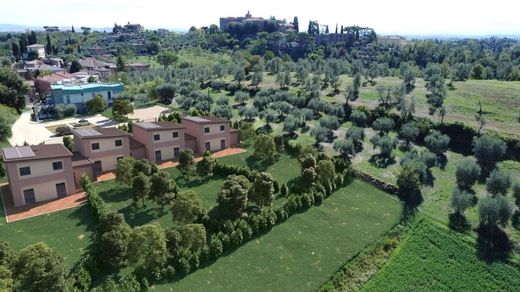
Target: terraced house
[
  {"x": 43, "y": 172},
  {"x": 161, "y": 140},
  {"x": 38, "y": 173},
  {"x": 209, "y": 133},
  {"x": 102, "y": 145}
]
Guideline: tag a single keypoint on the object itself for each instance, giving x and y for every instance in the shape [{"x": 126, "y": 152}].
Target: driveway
[
  {"x": 25, "y": 130},
  {"x": 149, "y": 114}
]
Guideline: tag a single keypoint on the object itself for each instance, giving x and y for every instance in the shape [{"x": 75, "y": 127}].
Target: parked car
[{"x": 82, "y": 123}]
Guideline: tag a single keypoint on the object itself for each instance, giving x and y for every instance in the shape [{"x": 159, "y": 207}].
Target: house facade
[
  {"x": 210, "y": 133},
  {"x": 79, "y": 94},
  {"x": 43, "y": 172},
  {"x": 39, "y": 173},
  {"x": 104, "y": 146},
  {"x": 39, "y": 49},
  {"x": 162, "y": 140}
]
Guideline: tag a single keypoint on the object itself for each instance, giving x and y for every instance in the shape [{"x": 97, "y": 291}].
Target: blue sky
[{"x": 409, "y": 17}]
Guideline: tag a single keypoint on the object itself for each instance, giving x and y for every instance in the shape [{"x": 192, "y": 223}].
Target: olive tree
[{"x": 467, "y": 174}]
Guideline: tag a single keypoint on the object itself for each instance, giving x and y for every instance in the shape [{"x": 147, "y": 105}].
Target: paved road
[
  {"x": 25, "y": 130},
  {"x": 149, "y": 114}
]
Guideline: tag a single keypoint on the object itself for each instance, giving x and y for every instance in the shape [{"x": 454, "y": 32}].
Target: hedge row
[
  {"x": 232, "y": 234},
  {"x": 94, "y": 199}
]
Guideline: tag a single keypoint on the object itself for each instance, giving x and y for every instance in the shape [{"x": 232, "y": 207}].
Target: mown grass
[
  {"x": 68, "y": 232},
  {"x": 434, "y": 258},
  {"x": 301, "y": 253},
  {"x": 119, "y": 198}
]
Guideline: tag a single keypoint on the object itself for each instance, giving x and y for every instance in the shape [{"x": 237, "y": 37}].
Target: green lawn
[
  {"x": 68, "y": 232},
  {"x": 302, "y": 253},
  {"x": 434, "y": 258},
  {"x": 119, "y": 198},
  {"x": 284, "y": 168}
]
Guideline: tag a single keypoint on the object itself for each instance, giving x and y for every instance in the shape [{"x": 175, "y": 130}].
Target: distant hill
[{"x": 5, "y": 27}]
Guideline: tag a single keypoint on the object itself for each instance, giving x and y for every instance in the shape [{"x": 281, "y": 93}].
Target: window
[
  {"x": 206, "y": 130},
  {"x": 175, "y": 134},
  {"x": 25, "y": 171},
  {"x": 95, "y": 146},
  {"x": 158, "y": 156},
  {"x": 119, "y": 143},
  {"x": 57, "y": 165},
  {"x": 157, "y": 137},
  {"x": 176, "y": 151},
  {"x": 29, "y": 196},
  {"x": 222, "y": 128},
  {"x": 222, "y": 143}
]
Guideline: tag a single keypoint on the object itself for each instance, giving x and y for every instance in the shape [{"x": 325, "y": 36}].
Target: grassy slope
[
  {"x": 434, "y": 258},
  {"x": 301, "y": 253},
  {"x": 497, "y": 97}
]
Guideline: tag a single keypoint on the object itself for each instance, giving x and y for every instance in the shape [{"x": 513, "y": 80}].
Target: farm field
[
  {"x": 300, "y": 254},
  {"x": 434, "y": 258}
]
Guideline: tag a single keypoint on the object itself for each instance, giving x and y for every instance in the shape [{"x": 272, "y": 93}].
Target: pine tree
[
  {"x": 73, "y": 31},
  {"x": 336, "y": 28}
]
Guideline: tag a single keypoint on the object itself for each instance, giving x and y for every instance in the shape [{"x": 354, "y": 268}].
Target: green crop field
[
  {"x": 300, "y": 254},
  {"x": 434, "y": 258}
]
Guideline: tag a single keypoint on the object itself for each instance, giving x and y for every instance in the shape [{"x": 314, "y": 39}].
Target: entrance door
[
  {"x": 176, "y": 152},
  {"x": 223, "y": 144},
  {"x": 97, "y": 167},
  {"x": 158, "y": 156},
  {"x": 208, "y": 146},
  {"x": 61, "y": 190},
  {"x": 29, "y": 196}
]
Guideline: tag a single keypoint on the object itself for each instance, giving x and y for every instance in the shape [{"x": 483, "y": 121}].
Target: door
[
  {"x": 29, "y": 196},
  {"x": 208, "y": 146},
  {"x": 98, "y": 167},
  {"x": 222, "y": 144},
  {"x": 176, "y": 152},
  {"x": 158, "y": 155},
  {"x": 61, "y": 190}
]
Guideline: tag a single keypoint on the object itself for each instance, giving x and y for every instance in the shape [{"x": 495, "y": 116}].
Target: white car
[{"x": 83, "y": 123}]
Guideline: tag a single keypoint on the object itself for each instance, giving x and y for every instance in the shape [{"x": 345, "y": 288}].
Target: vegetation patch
[
  {"x": 301, "y": 253},
  {"x": 434, "y": 258}
]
